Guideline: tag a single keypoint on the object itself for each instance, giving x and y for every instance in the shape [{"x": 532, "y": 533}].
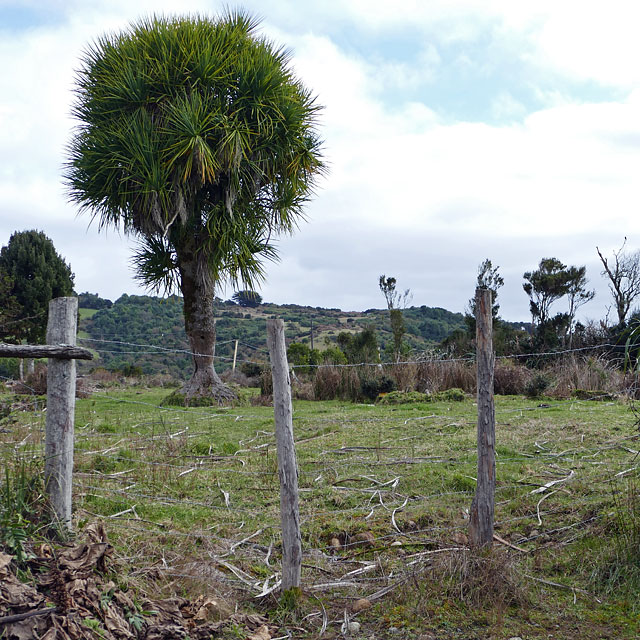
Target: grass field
[{"x": 190, "y": 501}]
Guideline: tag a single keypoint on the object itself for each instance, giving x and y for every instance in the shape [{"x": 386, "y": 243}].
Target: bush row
[{"x": 582, "y": 377}]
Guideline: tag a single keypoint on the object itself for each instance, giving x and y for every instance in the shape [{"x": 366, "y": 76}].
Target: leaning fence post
[
  {"x": 287, "y": 467},
  {"x": 61, "y": 400},
  {"x": 481, "y": 516}
]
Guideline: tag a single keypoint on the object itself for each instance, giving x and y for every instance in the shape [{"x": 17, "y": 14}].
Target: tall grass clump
[
  {"x": 332, "y": 383},
  {"x": 23, "y": 506},
  {"x": 405, "y": 375},
  {"x": 487, "y": 580},
  {"x": 617, "y": 568},
  {"x": 434, "y": 375},
  {"x": 588, "y": 373},
  {"x": 511, "y": 378}
]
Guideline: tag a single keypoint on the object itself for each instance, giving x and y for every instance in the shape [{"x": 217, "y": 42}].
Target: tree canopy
[
  {"x": 34, "y": 273},
  {"x": 547, "y": 284},
  {"x": 247, "y": 298},
  {"x": 623, "y": 273}
]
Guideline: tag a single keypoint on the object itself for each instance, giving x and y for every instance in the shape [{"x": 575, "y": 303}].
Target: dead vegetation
[{"x": 75, "y": 593}]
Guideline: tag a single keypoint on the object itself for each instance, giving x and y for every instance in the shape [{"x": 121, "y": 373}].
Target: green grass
[
  {"x": 86, "y": 313},
  {"x": 179, "y": 490}
]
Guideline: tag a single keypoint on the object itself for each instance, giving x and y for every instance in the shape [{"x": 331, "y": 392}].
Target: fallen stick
[
  {"x": 540, "y": 502},
  {"x": 544, "y": 487},
  {"x": 497, "y": 538},
  {"x": 393, "y": 515},
  {"x": 562, "y": 586},
  {"x": 29, "y": 614}
]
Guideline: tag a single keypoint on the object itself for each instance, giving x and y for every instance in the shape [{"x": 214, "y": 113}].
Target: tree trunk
[{"x": 198, "y": 294}]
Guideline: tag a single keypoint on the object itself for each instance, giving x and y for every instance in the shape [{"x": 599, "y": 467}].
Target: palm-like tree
[{"x": 196, "y": 138}]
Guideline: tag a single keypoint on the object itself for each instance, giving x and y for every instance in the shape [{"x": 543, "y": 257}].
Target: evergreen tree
[
  {"x": 247, "y": 298},
  {"x": 37, "y": 274}
]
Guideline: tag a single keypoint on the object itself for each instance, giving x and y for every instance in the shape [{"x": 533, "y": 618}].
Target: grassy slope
[{"x": 402, "y": 474}]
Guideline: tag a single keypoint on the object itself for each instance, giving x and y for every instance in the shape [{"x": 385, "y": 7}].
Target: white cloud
[{"x": 505, "y": 107}]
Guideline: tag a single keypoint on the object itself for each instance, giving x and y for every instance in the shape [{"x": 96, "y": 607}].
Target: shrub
[
  {"x": 251, "y": 369},
  {"x": 372, "y": 387},
  {"x": 331, "y": 383},
  {"x": 403, "y": 397},
  {"x": 9, "y": 368},
  {"x": 333, "y": 355},
  {"x": 266, "y": 382},
  {"x": 131, "y": 370},
  {"x": 235, "y": 377},
  {"x": 104, "y": 376},
  {"x": 538, "y": 384},
  {"x": 450, "y": 395},
  {"x": 510, "y": 379},
  {"x": 35, "y": 383}
]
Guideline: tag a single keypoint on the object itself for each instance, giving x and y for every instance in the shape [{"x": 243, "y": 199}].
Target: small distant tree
[
  {"x": 578, "y": 294},
  {"x": 544, "y": 286},
  {"x": 550, "y": 282},
  {"x": 36, "y": 273},
  {"x": 396, "y": 302},
  {"x": 247, "y": 298},
  {"x": 359, "y": 347},
  {"x": 623, "y": 272},
  {"x": 488, "y": 278}
]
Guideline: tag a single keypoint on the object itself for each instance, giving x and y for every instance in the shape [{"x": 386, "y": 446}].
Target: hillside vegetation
[{"x": 157, "y": 322}]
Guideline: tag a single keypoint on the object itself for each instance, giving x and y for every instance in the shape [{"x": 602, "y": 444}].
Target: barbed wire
[{"x": 417, "y": 361}]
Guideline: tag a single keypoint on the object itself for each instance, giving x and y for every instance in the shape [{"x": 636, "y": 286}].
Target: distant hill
[{"x": 157, "y": 322}]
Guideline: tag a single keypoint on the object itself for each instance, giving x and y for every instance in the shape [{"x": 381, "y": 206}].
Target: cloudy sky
[{"x": 456, "y": 130}]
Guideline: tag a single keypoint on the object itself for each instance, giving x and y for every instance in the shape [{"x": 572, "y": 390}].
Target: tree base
[
  {"x": 179, "y": 399},
  {"x": 205, "y": 389}
]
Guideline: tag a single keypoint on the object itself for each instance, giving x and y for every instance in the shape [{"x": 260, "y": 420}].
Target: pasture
[{"x": 190, "y": 500}]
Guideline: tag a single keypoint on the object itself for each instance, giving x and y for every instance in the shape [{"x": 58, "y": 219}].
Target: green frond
[
  {"x": 194, "y": 130},
  {"x": 155, "y": 264}
]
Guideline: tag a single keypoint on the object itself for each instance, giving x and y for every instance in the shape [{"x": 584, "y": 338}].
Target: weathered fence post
[
  {"x": 61, "y": 400},
  {"x": 481, "y": 516},
  {"x": 235, "y": 355},
  {"x": 287, "y": 467}
]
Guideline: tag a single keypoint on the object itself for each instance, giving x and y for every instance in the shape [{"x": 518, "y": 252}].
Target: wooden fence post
[
  {"x": 481, "y": 516},
  {"x": 287, "y": 467},
  {"x": 61, "y": 400},
  {"x": 235, "y": 355}
]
